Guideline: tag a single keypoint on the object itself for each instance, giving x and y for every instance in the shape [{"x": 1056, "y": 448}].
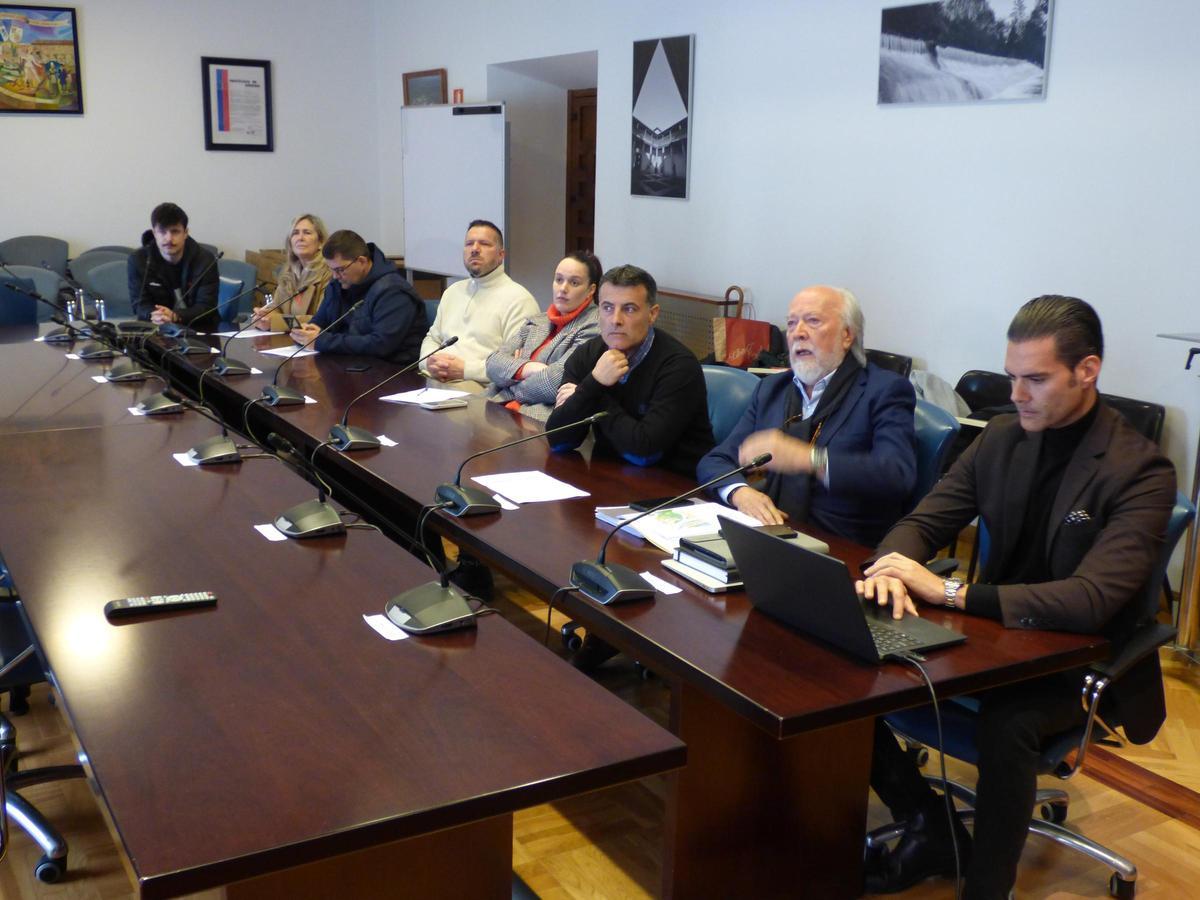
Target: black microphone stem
[
  {"x": 396, "y": 374},
  {"x": 588, "y": 421}
]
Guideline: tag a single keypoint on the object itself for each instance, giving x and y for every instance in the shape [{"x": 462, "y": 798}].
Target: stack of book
[{"x": 707, "y": 561}]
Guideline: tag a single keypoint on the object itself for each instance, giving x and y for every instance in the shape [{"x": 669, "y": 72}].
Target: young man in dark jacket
[
  {"x": 391, "y": 321},
  {"x": 172, "y": 278}
]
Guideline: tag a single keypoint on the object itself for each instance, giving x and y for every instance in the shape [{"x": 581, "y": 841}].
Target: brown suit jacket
[{"x": 1107, "y": 532}]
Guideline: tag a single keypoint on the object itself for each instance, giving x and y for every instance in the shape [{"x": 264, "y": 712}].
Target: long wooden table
[
  {"x": 276, "y": 743},
  {"x": 773, "y": 799}
]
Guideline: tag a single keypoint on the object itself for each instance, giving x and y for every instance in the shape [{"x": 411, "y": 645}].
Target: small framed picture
[
  {"x": 39, "y": 60},
  {"x": 426, "y": 88},
  {"x": 237, "y": 104}
]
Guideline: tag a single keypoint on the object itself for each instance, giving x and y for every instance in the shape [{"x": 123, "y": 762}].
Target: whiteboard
[{"x": 454, "y": 168}]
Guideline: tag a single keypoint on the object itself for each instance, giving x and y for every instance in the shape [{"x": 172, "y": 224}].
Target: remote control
[{"x": 136, "y": 606}]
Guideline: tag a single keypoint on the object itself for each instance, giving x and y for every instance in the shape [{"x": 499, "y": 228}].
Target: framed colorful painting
[{"x": 39, "y": 60}]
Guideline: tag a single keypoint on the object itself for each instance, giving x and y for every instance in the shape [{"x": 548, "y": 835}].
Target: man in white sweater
[{"x": 483, "y": 311}]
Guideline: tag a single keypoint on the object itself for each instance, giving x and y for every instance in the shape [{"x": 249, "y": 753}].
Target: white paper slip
[
  {"x": 288, "y": 351},
  {"x": 504, "y": 502},
  {"x": 134, "y": 411},
  {"x": 385, "y": 627},
  {"x": 385, "y": 441},
  {"x": 663, "y": 587},
  {"x": 424, "y": 395},
  {"x": 529, "y": 487},
  {"x": 254, "y": 371},
  {"x": 308, "y": 399},
  {"x": 99, "y": 379},
  {"x": 249, "y": 333},
  {"x": 184, "y": 460},
  {"x": 71, "y": 355},
  {"x": 39, "y": 340},
  {"x": 270, "y": 532}
]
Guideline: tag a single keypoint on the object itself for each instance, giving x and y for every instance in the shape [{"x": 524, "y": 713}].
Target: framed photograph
[
  {"x": 426, "y": 88},
  {"x": 953, "y": 52},
  {"x": 237, "y": 104},
  {"x": 39, "y": 60},
  {"x": 662, "y": 101}
]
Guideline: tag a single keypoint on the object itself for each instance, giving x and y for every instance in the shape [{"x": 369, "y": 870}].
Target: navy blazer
[{"x": 871, "y": 444}]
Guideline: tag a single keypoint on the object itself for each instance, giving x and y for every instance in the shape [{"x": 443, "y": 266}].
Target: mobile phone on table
[{"x": 643, "y": 505}]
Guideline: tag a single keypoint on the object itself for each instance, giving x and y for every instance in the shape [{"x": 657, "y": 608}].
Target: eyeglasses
[{"x": 339, "y": 271}]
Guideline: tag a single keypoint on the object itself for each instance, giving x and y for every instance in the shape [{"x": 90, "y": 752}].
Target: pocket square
[{"x": 1077, "y": 517}]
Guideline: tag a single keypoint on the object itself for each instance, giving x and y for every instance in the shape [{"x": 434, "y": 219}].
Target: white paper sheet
[
  {"x": 270, "y": 532},
  {"x": 663, "y": 587},
  {"x": 134, "y": 411},
  {"x": 184, "y": 460},
  {"x": 385, "y": 627},
  {"x": 424, "y": 395},
  {"x": 250, "y": 333},
  {"x": 529, "y": 487},
  {"x": 288, "y": 351},
  {"x": 99, "y": 379},
  {"x": 385, "y": 440}
]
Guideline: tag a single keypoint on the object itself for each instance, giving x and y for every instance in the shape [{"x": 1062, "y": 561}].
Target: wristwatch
[{"x": 950, "y": 587}]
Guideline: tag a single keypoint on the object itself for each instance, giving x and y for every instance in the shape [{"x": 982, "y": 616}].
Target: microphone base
[
  {"x": 160, "y": 405},
  {"x": 347, "y": 438},
  {"x": 281, "y": 396},
  {"x": 190, "y": 346},
  {"x": 429, "y": 609},
  {"x": 466, "y": 501},
  {"x": 94, "y": 350},
  {"x": 60, "y": 335},
  {"x": 607, "y": 584},
  {"x": 226, "y": 367},
  {"x": 126, "y": 369},
  {"x": 310, "y": 519},
  {"x": 215, "y": 451},
  {"x": 174, "y": 329},
  {"x": 134, "y": 328}
]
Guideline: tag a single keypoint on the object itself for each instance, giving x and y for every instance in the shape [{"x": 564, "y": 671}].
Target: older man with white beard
[{"x": 839, "y": 430}]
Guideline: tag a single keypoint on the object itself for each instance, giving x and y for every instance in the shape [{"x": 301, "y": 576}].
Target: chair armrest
[
  {"x": 1144, "y": 641},
  {"x": 943, "y": 567}
]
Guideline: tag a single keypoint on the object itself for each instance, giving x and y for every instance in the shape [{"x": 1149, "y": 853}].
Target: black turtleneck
[{"x": 1028, "y": 563}]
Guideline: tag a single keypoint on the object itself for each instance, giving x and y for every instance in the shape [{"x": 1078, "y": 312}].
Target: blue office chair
[
  {"x": 936, "y": 430},
  {"x": 227, "y": 306},
  {"x": 17, "y": 308},
  {"x": 110, "y": 280},
  {"x": 85, "y": 262},
  {"x": 959, "y": 716},
  {"x": 246, "y": 276},
  {"x": 729, "y": 392},
  {"x": 35, "y": 250},
  {"x": 45, "y": 282},
  {"x": 431, "y": 308}
]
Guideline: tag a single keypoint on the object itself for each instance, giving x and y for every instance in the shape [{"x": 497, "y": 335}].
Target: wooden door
[{"x": 581, "y": 170}]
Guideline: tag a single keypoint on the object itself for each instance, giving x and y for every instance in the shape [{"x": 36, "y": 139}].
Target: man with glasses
[{"x": 388, "y": 325}]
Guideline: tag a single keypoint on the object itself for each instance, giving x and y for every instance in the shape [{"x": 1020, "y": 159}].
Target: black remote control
[{"x": 136, "y": 606}]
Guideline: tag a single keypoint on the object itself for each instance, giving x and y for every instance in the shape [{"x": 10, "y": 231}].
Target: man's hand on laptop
[{"x": 897, "y": 581}]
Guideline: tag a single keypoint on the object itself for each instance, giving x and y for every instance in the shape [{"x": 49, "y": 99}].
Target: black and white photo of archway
[
  {"x": 662, "y": 100},
  {"x": 964, "y": 51}
]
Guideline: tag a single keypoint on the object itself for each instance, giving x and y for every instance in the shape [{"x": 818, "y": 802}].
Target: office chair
[
  {"x": 984, "y": 390},
  {"x": 729, "y": 392},
  {"x": 227, "y": 289},
  {"x": 918, "y": 726},
  {"x": 85, "y": 262},
  {"x": 936, "y": 430},
  {"x": 893, "y": 362},
  {"x": 118, "y": 248},
  {"x": 19, "y": 668},
  {"x": 431, "y": 308},
  {"x": 35, "y": 250},
  {"x": 45, "y": 282},
  {"x": 1147, "y": 418},
  {"x": 246, "y": 276},
  {"x": 110, "y": 280},
  {"x": 211, "y": 248},
  {"x": 16, "y": 308}
]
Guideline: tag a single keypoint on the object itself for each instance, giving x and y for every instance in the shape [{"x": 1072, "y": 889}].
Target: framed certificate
[{"x": 237, "y": 104}]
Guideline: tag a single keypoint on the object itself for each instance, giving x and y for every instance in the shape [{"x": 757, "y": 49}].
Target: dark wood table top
[
  {"x": 781, "y": 680},
  {"x": 43, "y": 389},
  {"x": 277, "y": 728}
]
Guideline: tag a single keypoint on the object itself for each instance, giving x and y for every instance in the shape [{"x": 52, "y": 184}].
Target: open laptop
[{"x": 815, "y": 594}]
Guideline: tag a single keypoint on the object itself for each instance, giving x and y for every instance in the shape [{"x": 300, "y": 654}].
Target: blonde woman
[{"x": 303, "y": 278}]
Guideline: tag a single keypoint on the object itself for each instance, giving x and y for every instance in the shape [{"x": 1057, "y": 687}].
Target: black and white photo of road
[
  {"x": 963, "y": 51},
  {"x": 662, "y": 78}
]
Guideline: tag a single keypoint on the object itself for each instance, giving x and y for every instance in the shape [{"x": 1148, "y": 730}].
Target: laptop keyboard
[{"x": 889, "y": 639}]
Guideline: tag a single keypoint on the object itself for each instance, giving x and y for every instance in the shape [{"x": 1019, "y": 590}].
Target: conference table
[
  {"x": 773, "y": 799},
  {"x": 274, "y": 743}
]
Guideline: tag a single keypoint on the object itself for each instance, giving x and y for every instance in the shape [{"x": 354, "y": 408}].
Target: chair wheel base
[
  {"x": 1056, "y": 813},
  {"x": 571, "y": 639},
  {"x": 49, "y": 870},
  {"x": 1120, "y": 888}
]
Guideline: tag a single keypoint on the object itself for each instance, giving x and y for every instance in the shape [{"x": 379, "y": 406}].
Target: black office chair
[
  {"x": 893, "y": 362},
  {"x": 1147, "y": 418},
  {"x": 984, "y": 390},
  {"x": 919, "y": 726},
  {"x": 19, "y": 668}
]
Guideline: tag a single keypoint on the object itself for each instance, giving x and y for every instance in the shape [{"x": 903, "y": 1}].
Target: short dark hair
[
  {"x": 1072, "y": 323},
  {"x": 632, "y": 276},
  {"x": 591, "y": 263},
  {"x": 484, "y": 223},
  {"x": 166, "y": 215},
  {"x": 346, "y": 244}
]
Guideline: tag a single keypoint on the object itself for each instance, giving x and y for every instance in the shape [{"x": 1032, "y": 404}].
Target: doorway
[{"x": 581, "y": 170}]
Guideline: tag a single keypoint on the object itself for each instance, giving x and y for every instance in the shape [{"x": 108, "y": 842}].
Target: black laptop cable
[{"x": 915, "y": 660}]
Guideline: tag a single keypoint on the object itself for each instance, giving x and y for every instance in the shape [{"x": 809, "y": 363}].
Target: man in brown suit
[{"x": 1076, "y": 503}]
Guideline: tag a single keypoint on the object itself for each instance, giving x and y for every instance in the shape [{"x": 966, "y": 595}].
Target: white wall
[
  {"x": 93, "y": 179},
  {"x": 943, "y": 219}
]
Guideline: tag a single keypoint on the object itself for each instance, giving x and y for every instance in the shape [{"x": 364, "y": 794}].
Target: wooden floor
[{"x": 609, "y": 844}]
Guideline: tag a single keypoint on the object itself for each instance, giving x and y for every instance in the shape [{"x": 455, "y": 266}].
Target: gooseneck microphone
[
  {"x": 225, "y": 366},
  {"x": 312, "y": 518},
  {"x": 469, "y": 501},
  {"x": 346, "y": 437},
  {"x": 286, "y": 396},
  {"x": 614, "y": 583}
]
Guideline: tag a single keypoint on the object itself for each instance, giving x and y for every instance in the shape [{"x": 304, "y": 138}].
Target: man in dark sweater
[
  {"x": 391, "y": 321},
  {"x": 1076, "y": 503},
  {"x": 651, "y": 385},
  {"x": 172, "y": 278}
]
